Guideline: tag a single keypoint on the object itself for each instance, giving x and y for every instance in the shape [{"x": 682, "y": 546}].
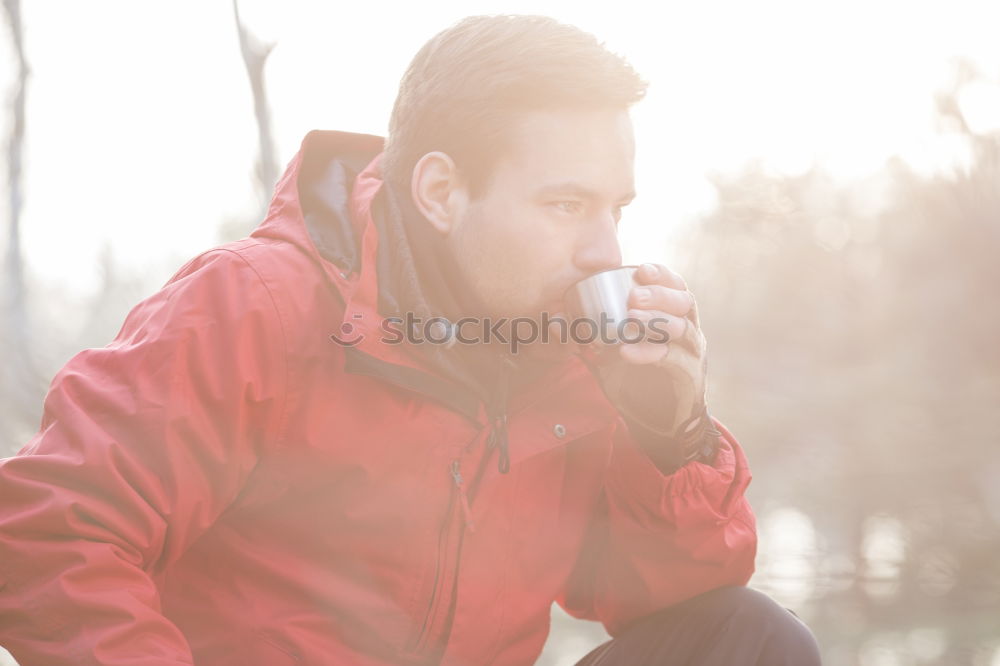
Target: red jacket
[{"x": 223, "y": 484}]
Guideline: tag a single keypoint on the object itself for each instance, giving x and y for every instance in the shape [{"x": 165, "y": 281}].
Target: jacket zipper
[
  {"x": 419, "y": 644},
  {"x": 456, "y": 475},
  {"x": 457, "y": 517},
  {"x": 459, "y": 514}
]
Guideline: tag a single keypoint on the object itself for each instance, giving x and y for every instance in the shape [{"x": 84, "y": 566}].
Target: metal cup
[{"x": 602, "y": 298}]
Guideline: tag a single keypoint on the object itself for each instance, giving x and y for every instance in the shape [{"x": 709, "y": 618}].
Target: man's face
[{"x": 550, "y": 215}]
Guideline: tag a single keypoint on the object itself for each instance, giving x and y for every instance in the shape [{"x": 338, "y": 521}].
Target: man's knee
[
  {"x": 751, "y": 613},
  {"x": 728, "y": 626}
]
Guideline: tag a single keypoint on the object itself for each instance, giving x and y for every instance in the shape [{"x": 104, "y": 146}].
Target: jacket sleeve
[
  {"x": 142, "y": 444},
  {"x": 657, "y": 539}
]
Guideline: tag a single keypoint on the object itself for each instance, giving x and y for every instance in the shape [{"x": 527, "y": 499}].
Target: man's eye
[
  {"x": 571, "y": 207},
  {"x": 618, "y": 211}
]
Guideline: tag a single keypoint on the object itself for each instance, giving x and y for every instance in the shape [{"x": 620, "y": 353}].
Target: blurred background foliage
[
  {"x": 854, "y": 332},
  {"x": 855, "y": 337}
]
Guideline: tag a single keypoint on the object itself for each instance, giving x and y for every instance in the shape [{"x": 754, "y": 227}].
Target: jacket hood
[{"x": 311, "y": 204}]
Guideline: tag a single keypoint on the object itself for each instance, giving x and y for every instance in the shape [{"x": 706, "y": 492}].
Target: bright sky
[{"x": 141, "y": 132}]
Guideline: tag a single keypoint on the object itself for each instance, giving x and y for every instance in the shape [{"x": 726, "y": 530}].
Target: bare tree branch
[
  {"x": 15, "y": 151},
  {"x": 20, "y": 381},
  {"x": 255, "y": 56}
]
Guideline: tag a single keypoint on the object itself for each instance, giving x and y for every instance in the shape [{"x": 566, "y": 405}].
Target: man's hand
[
  {"x": 660, "y": 387},
  {"x": 663, "y": 294}
]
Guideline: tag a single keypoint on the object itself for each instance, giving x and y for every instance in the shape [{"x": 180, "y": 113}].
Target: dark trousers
[{"x": 728, "y": 626}]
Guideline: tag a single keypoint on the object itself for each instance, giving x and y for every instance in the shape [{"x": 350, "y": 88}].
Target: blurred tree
[
  {"x": 255, "y": 54},
  {"x": 854, "y": 332},
  {"x": 20, "y": 380}
]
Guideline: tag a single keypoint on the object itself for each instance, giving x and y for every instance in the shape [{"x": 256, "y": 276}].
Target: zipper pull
[
  {"x": 456, "y": 475},
  {"x": 498, "y": 413}
]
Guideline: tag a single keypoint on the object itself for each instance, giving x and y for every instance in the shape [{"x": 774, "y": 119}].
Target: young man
[{"x": 264, "y": 468}]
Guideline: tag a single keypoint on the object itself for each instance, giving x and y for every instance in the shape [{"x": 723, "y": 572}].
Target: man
[{"x": 265, "y": 467}]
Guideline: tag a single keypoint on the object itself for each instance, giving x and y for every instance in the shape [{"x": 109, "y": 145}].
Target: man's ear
[{"x": 437, "y": 190}]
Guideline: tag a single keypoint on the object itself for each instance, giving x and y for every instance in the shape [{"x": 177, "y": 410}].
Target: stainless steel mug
[{"x": 602, "y": 298}]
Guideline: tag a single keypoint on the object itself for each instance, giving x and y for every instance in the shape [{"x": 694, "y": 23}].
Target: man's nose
[{"x": 600, "y": 250}]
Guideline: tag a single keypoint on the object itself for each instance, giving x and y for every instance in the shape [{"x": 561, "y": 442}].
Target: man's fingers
[
  {"x": 659, "y": 274},
  {"x": 658, "y": 335},
  {"x": 676, "y": 302},
  {"x": 656, "y": 323},
  {"x": 642, "y": 353},
  {"x": 682, "y": 331},
  {"x": 667, "y": 291}
]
